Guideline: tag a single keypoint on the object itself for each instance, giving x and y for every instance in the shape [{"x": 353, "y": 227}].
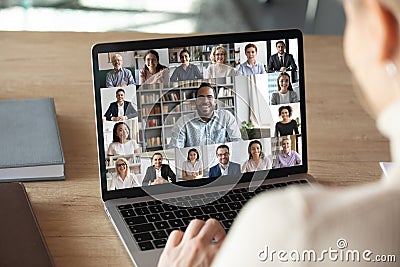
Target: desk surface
[{"x": 344, "y": 145}]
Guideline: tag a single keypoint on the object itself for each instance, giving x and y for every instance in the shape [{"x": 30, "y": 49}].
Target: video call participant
[
  {"x": 187, "y": 70},
  {"x": 281, "y": 61},
  {"x": 251, "y": 66},
  {"x": 286, "y": 126},
  {"x": 158, "y": 173},
  {"x": 224, "y": 167},
  {"x": 123, "y": 178},
  {"x": 122, "y": 143},
  {"x": 287, "y": 157},
  {"x": 153, "y": 71},
  {"x": 119, "y": 76},
  {"x": 219, "y": 68},
  {"x": 121, "y": 109},
  {"x": 257, "y": 160},
  {"x": 192, "y": 168},
  {"x": 206, "y": 125},
  {"x": 285, "y": 92}
]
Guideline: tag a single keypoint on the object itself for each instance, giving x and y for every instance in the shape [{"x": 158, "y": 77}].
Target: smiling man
[
  {"x": 121, "y": 109},
  {"x": 281, "y": 61},
  {"x": 119, "y": 76},
  {"x": 206, "y": 125},
  {"x": 224, "y": 166}
]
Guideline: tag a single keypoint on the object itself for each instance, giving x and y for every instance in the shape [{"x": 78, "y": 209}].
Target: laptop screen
[{"x": 186, "y": 111}]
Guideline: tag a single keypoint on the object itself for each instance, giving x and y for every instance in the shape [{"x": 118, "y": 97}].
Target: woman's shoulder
[
  {"x": 265, "y": 159},
  {"x": 131, "y": 175},
  {"x": 113, "y": 144},
  {"x": 132, "y": 141},
  {"x": 247, "y": 162},
  {"x": 211, "y": 66},
  {"x": 275, "y": 93}
]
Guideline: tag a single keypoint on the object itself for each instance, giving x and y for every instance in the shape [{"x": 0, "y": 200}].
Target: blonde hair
[
  {"x": 283, "y": 138},
  {"x": 127, "y": 166},
  {"x": 214, "y": 50}
]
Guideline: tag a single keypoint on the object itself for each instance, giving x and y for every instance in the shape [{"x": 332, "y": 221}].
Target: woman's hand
[{"x": 196, "y": 247}]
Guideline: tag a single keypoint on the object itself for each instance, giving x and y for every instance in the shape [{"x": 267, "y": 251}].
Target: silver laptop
[{"x": 194, "y": 127}]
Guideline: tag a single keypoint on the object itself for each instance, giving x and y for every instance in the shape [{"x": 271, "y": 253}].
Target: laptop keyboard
[{"x": 151, "y": 222}]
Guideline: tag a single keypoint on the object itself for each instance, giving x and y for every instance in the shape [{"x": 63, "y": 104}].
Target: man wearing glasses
[
  {"x": 224, "y": 167},
  {"x": 206, "y": 125},
  {"x": 119, "y": 76}
]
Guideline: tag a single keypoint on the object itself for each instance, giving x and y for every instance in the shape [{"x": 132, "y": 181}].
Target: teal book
[{"x": 30, "y": 143}]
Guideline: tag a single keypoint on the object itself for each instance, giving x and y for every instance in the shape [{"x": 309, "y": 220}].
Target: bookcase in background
[{"x": 161, "y": 105}]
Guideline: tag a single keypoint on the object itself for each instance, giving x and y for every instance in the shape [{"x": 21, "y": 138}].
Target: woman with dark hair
[
  {"x": 187, "y": 70},
  {"x": 158, "y": 173},
  {"x": 122, "y": 143},
  {"x": 123, "y": 178},
  {"x": 192, "y": 168},
  {"x": 153, "y": 71},
  {"x": 257, "y": 160},
  {"x": 286, "y": 126},
  {"x": 285, "y": 93},
  {"x": 251, "y": 66}
]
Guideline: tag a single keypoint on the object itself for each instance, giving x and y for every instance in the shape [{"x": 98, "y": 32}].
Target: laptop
[{"x": 194, "y": 127}]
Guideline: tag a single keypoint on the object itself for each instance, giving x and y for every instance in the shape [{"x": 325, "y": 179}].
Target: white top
[
  {"x": 158, "y": 173},
  {"x": 251, "y": 166},
  {"x": 364, "y": 217},
  {"x": 224, "y": 171},
  {"x": 121, "y": 111},
  {"x": 190, "y": 169},
  {"x": 284, "y": 98},
  {"x": 218, "y": 70},
  {"x": 117, "y": 148},
  {"x": 118, "y": 183}
]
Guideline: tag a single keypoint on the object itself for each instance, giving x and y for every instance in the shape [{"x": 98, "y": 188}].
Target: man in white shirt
[{"x": 357, "y": 226}]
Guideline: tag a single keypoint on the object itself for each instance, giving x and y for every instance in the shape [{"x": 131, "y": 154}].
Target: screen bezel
[{"x": 193, "y": 41}]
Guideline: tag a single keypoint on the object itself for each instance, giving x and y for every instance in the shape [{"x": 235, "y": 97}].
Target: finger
[
  {"x": 212, "y": 231},
  {"x": 193, "y": 229},
  {"x": 174, "y": 239}
]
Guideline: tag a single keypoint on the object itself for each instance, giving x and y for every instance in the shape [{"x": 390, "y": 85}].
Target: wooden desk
[{"x": 344, "y": 145}]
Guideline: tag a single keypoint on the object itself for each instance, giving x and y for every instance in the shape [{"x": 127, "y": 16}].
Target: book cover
[
  {"x": 30, "y": 141},
  {"x": 22, "y": 242}
]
